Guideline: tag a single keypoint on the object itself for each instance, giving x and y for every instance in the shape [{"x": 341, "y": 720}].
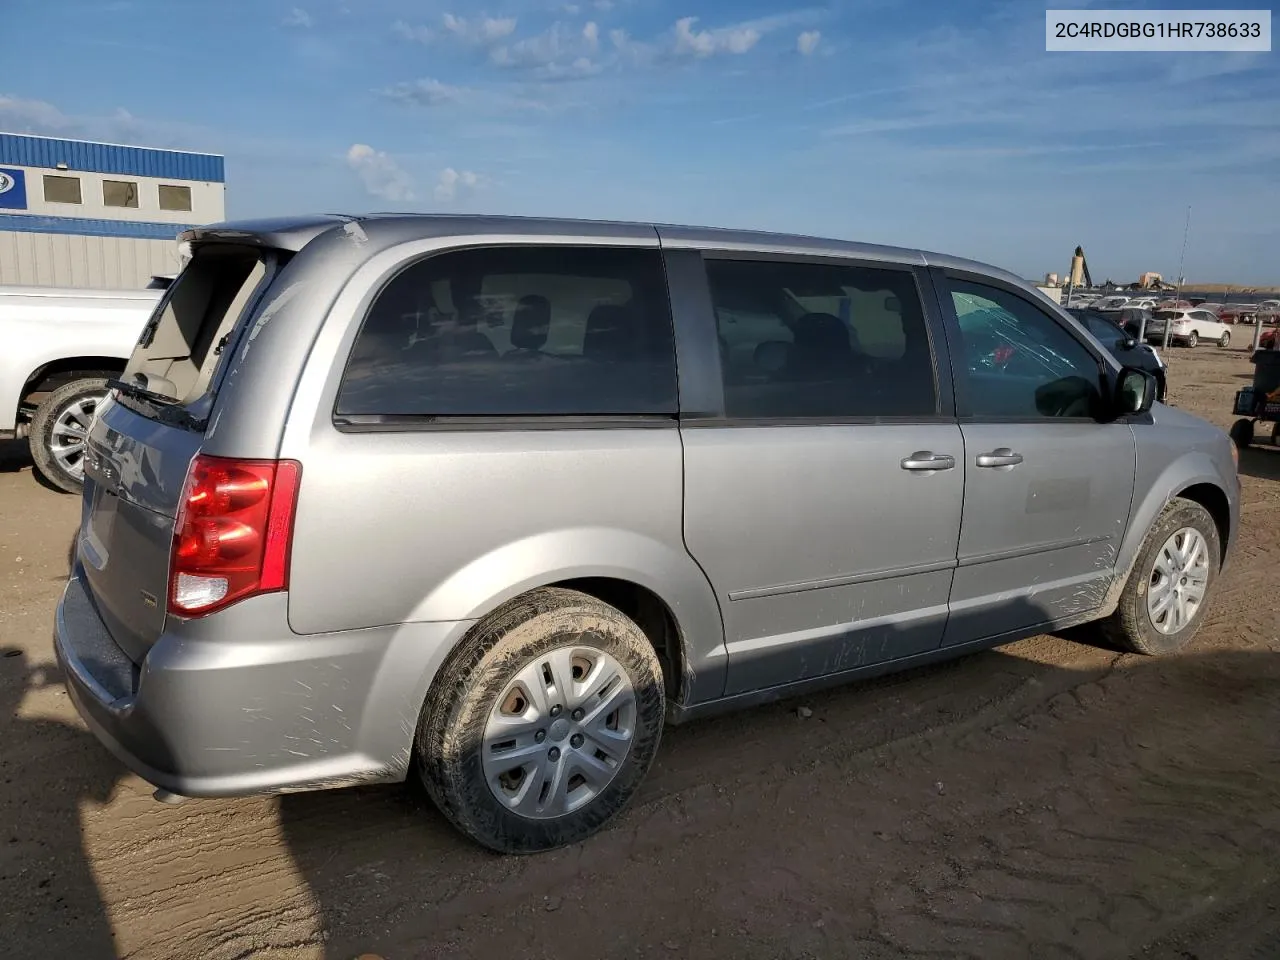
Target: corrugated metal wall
[
  {"x": 63, "y": 260},
  {"x": 23, "y": 150}
]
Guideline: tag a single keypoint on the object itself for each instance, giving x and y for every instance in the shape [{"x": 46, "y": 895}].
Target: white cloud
[
  {"x": 707, "y": 43},
  {"x": 591, "y": 34},
  {"x": 807, "y": 42},
  {"x": 32, "y": 116},
  {"x": 381, "y": 175},
  {"x": 483, "y": 31},
  {"x": 298, "y": 18},
  {"x": 427, "y": 92},
  {"x": 410, "y": 32},
  {"x": 452, "y": 183}
]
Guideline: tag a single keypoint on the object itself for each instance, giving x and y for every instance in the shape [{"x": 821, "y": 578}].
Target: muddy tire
[
  {"x": 543, "y": 723},
  {"x": 59, "y": 428},
  {"x": 1164, "y": 600}
]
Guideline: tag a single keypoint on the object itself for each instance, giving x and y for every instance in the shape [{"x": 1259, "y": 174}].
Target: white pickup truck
[{"x": 58, "y": 348}]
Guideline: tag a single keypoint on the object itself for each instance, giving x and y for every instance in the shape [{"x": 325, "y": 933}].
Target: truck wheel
[
  {"x": 543, "y": 723},
  {"x": 1224, "y": 341},
  {"x": 59, "y": 429},
  {"x": 1242, "y": 433},
  {"x": 1193, "y": 340},
  {"x": 1164, "y": 599}
]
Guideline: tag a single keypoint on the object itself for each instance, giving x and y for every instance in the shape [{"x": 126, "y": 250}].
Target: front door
[
  {"x": 1048, "y": 486},
  {"x": 824, "y": 505}
]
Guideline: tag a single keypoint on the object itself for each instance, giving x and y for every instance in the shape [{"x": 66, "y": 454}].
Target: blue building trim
[
  {"x": 19, "y": 223},
  {"x": 21, "y": 150}
]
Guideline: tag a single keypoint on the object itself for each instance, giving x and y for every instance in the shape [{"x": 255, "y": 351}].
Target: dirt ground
[{"x": 1047, "y": 800}]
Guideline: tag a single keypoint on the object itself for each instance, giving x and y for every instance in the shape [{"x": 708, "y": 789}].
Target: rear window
[
  {"x": 179, "y": 349},
  {"x": 517, "y": 331}
]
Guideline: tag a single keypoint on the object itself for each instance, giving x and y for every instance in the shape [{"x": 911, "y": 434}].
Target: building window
[
  {"x": 61, "y": 189},
  {"x": 173, "y": 197},
  {"x": 517, "y": 331},
  {"x": 120, "y": 193}
]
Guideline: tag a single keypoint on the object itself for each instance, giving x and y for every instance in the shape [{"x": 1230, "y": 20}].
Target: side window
[
  {"x": 1021, "y": 362},
  {"x": 802, "y": 339},
  {"x": 1108, "y": 334},
  {"x": 517, "y": 331}
]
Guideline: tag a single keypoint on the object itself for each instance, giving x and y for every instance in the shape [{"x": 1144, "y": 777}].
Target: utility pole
[{"x": 1168, "y": 323}]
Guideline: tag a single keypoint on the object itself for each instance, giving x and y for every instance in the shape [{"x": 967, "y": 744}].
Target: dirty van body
[{"x": 493, "y": 499}]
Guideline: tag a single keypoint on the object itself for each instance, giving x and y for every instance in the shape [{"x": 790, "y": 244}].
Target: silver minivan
[{"x": 490, "y": 500}]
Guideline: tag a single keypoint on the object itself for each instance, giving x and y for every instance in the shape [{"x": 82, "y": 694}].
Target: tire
[
  {"x": 1132, "y": 626},
  {"x": 1241, "y": 433},
  {"x": 57, "y": 419},
  {"x": 1224, "y": 341},
  {"x": 484, "y": 675},
  {"x": 1193, "y": 340}
]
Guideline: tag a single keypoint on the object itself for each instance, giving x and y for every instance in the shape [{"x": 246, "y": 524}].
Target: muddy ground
[{"x": 1047, "y": 800}]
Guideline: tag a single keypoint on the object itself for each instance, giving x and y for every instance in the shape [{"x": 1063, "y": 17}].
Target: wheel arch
[{"x": 1191, "y": 478}]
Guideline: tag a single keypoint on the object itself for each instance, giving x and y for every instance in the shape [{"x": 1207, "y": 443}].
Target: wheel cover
[
  {"x": 559, "y": 732},
  {"x": 69, "y": 432},
  {"x": 1179, "y": 580}
]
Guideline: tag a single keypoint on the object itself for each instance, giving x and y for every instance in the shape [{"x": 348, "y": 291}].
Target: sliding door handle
[
  {"x": 1000, "y": 457},
  {"x": 926, "y": 460}
]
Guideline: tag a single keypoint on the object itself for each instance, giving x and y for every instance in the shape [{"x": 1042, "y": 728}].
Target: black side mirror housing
[{"x": 1135, "y": 391}]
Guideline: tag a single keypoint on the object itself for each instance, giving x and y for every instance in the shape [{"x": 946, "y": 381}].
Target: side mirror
[{"x": 1135, "y": 391}]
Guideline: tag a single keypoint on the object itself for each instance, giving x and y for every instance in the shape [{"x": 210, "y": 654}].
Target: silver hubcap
[
  {"x": 1178, "y": 581},
  {"x": 70, "y": 429},
  {"x": 559, "y": 732}
]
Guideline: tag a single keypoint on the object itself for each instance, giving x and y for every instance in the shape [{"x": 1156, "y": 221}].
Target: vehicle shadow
[
  {"x": 1260, "y": 462},
  {"x": 46, "y": 880},
  {"x": 787, "y": 825},
  {"x": 15, "y": 456}
]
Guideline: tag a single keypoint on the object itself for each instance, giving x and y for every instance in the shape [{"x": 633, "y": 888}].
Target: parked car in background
[
  {"x": 1188, "y": 328},
  {"x": 1133, "y": 320},
  {"x": 485, "y": 500},
  {"x": 1124, "y": 346},
  {"x": 58, "y": 348},
  {"x": 1234, "y": 313},
  {"x": 1143, "y": 303},
  {"x": 1114, "y": 302}
]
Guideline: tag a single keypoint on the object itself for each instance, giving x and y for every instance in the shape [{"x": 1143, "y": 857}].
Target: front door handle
[
  {"x": 928, "y": 460},
  {"x": 1000, "y": 457}
]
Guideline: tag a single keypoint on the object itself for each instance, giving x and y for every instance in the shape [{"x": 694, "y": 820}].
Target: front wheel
[
  {"x": 1163, "y": 602},
  {"x": 1224, "y": 341},
  {"x": 542, "y": 725},
  {"x": 1193, "y": 340},
  {"x": 60, "y": 428}
]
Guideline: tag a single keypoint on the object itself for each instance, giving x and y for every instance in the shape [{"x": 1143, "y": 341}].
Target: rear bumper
[{"x": 210, "y": 713}]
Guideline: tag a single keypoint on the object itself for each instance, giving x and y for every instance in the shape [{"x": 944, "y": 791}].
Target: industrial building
[{"x": 80, "y": 214}]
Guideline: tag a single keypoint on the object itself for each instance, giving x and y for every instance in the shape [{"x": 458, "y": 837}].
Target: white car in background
[
  {"x": 58, "y": 348},
  {"x": 1145, "y": 303},
  {"x": 1113, "y": 302},
  {"x": 1189, "y": 326}
]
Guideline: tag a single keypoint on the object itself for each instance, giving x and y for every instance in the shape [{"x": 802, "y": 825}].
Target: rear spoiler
[{"x": 284, "y": 233}]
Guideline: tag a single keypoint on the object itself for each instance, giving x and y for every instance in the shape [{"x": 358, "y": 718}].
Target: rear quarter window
[{"x": 516, "y": 331}]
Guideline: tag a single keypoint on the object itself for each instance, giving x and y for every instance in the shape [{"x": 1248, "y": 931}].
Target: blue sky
[{"x": 945, "y": 126}]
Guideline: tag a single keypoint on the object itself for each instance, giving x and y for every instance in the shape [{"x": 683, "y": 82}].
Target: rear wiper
[{"x": 166, "y": 409}]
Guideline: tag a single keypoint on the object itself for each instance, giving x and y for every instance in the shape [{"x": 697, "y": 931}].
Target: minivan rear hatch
[{"x": 145, "y": 435}]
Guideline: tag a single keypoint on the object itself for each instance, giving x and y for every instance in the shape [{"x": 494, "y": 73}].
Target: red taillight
[{"x": 233, "y": 532}]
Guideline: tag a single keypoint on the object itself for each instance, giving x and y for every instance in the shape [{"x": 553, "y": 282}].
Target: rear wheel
[
  {"x": 59, "y": 430},
  {"x": 1163, "y": 603},
  {"x": 542, "y": 725},
  {"x": 1224, "y": 341},
  {"x": 1242, "y": 433},
  {"x": 1193, "y": 340}
]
